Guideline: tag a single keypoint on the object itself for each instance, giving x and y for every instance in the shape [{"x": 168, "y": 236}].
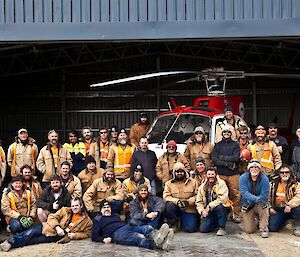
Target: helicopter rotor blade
[
  {"x": 141, "y": 77},
  {"x": 273, "y": 75}
]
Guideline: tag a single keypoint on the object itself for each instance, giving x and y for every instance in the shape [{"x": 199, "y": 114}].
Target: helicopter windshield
[{"x": 180, "y": 129}]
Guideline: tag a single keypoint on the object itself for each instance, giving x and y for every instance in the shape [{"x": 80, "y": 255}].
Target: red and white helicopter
[{"x": 179, "y": 122}]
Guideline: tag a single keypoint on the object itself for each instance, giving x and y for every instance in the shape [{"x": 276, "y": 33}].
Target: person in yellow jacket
[
  {"x": 180, "y": 197},
  {"x": 107, "y": 187},
  {"x": 90, "y": 173},
  {"x": 120, "y": 155},
  {"x": 139, "y": 129},
  {"x": 198, "y": 147},
  {"x": 2, "y": 165},
  {"x": 265, "y": 151},
  {"x": 68, "y": 223},
  {"x": 213, "y": 203},
  {"x": 165, "y": 163},
  {"x": 18, "y": 206},
  {"x": 23, "y": 151},
  {"x": 51, "y": 157}
]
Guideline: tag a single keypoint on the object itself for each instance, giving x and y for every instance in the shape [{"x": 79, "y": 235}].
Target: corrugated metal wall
[{"x": 85, "y": 11}]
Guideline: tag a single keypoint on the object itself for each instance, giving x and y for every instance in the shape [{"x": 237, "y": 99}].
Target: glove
[
  {"x": 55, "y": 205},
  {"x": 186, "y": 203},
  {"x": 264, "y": 205},
  {"x": 128, "y": 199},
  {"x": 181, "y": 205},
  {"x": 25, "y": 222},
  {"x": 231, "y": 165}
]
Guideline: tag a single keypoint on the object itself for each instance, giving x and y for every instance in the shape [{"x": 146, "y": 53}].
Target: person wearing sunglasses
[
  {"x": 265, "y": 151},
  {"x": 166, "y": 162},
  {"x": 285, "y": 201},
  {"x": 226, "y": 156},
  {"x": 100, "y": 148},
  {"x": 245, "y": 155},
  {"x": 198, "y": 146}
]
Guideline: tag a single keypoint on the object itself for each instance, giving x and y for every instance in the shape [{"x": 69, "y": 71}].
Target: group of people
[{"x": 113, "y": 188}]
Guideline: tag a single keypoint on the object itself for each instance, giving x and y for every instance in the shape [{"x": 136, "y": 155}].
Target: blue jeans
[
  {"x": 277, "y": 221},
  {"x": 134, "y": 236},
  {"x": 32, "y": 235},
  {"x": 216, "y": 218},
  {"x": 15, "y": 226},
  {"x": 188, "y": 220},
  {"x": 153, "y": 223}
]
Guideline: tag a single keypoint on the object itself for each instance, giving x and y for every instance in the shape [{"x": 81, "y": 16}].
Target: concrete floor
[{"x": 184, "y": 244}]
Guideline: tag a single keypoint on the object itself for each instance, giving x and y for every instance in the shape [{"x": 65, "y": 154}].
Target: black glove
[
  {"x": 181, "y": 205},
  {"x": 231, "y": 165},
  {"x": 128, "y": 199}
]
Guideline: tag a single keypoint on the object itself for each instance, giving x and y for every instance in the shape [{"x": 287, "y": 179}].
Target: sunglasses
[
  {"x": 138, "y": 171},
  {"x": 198, "y": 133},
  {"x": 103, "y": 132},
  {"x": 243, "y": 133},
  {"x": 226, "y": 131},
  {"x": 179, "y": 171},
  {"x": 171, "y": 147},
  {"x": 284, "y": 172}
]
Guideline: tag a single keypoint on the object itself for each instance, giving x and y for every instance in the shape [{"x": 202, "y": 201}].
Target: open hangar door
[{"x": 47, "y": 86}]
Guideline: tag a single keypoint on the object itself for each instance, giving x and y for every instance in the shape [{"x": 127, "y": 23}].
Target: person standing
[
  {"x": 100, "y": 148},
  {"x": 23, "y": 151},
  {"x": 70, "y": 181},
  {"x": 87, "y": 138},
  {"x": 77, "y": 151},
  {"x": 198, "y": 147},
  {"x": 51, "y": 157},
  {"x": 225, "y": 157},
  {"x": 295, "y": 153},
  {"x": 139, "y": 129},
  {"x": 147, "y": 159}
]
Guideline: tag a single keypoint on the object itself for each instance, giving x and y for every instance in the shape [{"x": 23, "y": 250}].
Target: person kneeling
[
  {"x": 108, "y": 228},
  {"x": 285, "y": 201},
  {"x": 66, "y": 224},
  {"x": 213, "y": 203}
]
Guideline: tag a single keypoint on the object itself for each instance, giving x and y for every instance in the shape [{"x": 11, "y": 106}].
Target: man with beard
[
  {"x": 166, "y": 162},
  {"x": 254, "y": 187},
  {"x": 53, "y": 198},
  {"x": 23, "y": 151},
  {"x": 51, "y": 157},
  {"x": 198, "y": 146},
  {"x": 280, "y": 142},
  {"x": 90, "y": 173},
  {"x": 68, "y": 223},
  {"x": 100, "y": 148},
  {"x": 139, "y": 129},
  {"x": 285, "y": 201},
  {"x": 120, "y": 155},
  {"x": 143, "y": 155},
  {"x": 87, "y": 138},
  {"x": 18, "y": 206},
  {"x": 225, "y": 157},
  {"x": 107, "y": 187},
  {"x": 213, "y": 203},
  {"x": 146, "y": 209},
  {"x": 180, "y": 196},
  {"x": 108, "y": 228},
  {"x": 231, "y": 121},
  {"x": 265, "y": 151},
  {"x": 70, "y": 181},
  {"x": 30, "y": 181},
  {"x": 243, "y": 141}
]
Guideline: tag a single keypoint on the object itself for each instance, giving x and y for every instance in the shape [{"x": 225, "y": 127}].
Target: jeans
[
  {"x": 15, "y": 226},
  {"x": 188, "y": 220},
  {"x": 153, "y": 223},
  {"x": 216, "y": 218},
  {"x": 134, "y": 236},
  {"x": 30, "y": 236},
  {"x": 277, "y": 221}
]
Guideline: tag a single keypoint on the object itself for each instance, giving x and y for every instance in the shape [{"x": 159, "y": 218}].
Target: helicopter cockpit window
[
  {"x": 161, "y": 128},
  {"x": 184, "y": 127}
]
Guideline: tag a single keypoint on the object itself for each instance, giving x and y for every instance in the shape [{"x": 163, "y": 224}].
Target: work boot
[
  {"x": 264, "y": 234},
  {"x": 5, "y": 246},
  {"x": 221, "y": 232},
  {"x": 296, "y": 227},
  {"x": 168, "y": 240},
  {"x": 161, "y": 234}
]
